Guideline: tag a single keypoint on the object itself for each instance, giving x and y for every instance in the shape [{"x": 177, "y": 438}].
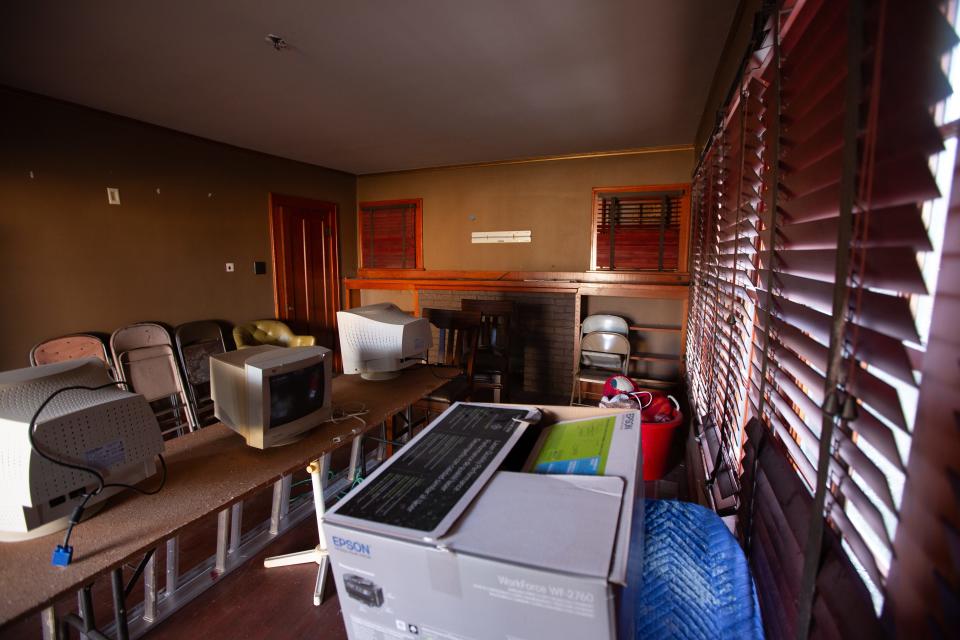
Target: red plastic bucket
[{"x": 658, "y": 439}]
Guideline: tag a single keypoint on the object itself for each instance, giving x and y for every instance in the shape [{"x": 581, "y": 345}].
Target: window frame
[
  {"x": 418, "y": 234},
  {"x": 683, "y": 264}
]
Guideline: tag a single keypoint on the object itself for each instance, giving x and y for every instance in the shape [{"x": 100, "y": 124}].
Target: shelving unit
[{"x": 656, "y": 320}]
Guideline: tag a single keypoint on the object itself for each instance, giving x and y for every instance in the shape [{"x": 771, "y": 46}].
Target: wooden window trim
[
  {"x": 418, "y": 230},
  {"x": 683, "y": 249}
]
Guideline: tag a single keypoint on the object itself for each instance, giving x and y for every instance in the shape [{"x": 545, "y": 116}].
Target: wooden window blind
[
  {"x": 724, "y": 291},
  {"x": 806, "y": 239},
  {"x": 391, "y": 234},
  {"x": 639, "y": 228}
]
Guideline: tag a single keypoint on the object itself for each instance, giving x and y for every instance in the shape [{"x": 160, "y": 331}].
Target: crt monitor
[
  {"x": 109, "y": 429},
  {"x": 379, "y": 340},
  {"x": 272, "y": 395}
]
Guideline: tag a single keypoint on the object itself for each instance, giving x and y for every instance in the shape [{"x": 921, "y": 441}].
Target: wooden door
[{"x": 306, "y": 266}]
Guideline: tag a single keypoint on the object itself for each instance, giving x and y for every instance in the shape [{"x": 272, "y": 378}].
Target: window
[
  {"x": 795, "y": 188},
  {"x": 640, "y": 228},
  {"x": 391, "y": 233}
]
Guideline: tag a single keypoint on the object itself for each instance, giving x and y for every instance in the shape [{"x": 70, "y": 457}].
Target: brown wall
[
  {"x": 551, "y": 198},
  {"x": 70, "y": 262}
]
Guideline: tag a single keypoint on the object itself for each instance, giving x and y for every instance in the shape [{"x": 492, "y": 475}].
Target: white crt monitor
[
  {"x": 111, "y": 430},
  {"x": 379, "y": 340},
  {"x": 272, "y": 395}
]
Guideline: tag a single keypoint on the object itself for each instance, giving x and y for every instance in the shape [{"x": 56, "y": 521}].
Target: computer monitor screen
[
  {"x": 296, "y": 394},
  {"x": 379, "y": 340},
  {"x": 272, "y": 395},
  {"x": 108, "y": 429}
]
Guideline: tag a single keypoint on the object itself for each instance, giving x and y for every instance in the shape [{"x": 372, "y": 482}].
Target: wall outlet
[
  {"x": 113, "y": 195},
  {"x": 229, "y": 267}
]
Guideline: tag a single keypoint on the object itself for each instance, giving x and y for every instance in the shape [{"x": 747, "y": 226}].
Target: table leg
[
  {"x": 150, "y": 589},
  {"x": 223, "y": 532},
  {"x": 86, "y": 609},
  {"x": 119, "y": 603},
  {"x": 236, "y": 522},
  {"x": 286, "y": 483},
  {"x": 48, "y": 624},
  {"x": 356, "y": 459},
  {"x": 173, "y": 566},
  {"x": 382, "y": 445},
  {"x": 275, "y": 509}
]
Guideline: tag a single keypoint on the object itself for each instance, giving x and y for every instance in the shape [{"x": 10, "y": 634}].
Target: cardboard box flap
[
  {"x": 557, "y": 522},
  {"x": 605, "y": 443},
  {"x": 420, "y": 492}
]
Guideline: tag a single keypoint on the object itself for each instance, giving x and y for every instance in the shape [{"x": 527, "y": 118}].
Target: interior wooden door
[{"x": 306, "y": 266}]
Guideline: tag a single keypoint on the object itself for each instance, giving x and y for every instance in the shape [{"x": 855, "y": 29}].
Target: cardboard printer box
[{"x": 496, "y": 522}]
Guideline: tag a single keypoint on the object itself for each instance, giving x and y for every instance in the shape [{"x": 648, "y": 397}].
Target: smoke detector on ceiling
[{"x": 276, "y": 41}]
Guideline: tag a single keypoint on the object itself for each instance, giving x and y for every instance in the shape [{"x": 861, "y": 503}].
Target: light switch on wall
[
  {"x": 229, "y": 267},
  {"x": 113, "y": 195}
]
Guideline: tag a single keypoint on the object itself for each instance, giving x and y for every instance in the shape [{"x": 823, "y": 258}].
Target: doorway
[{"x": 306, "y": 266}]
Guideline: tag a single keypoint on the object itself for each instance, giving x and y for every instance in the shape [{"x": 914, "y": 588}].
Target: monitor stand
[
  {"x": 289, "y": 440},
  {"x": 380, "y": 375}
]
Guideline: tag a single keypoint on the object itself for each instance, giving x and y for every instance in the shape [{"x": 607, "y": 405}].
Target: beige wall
[
  {"x": 70, "y": 262},
  {"x": 550, "y": 198}
]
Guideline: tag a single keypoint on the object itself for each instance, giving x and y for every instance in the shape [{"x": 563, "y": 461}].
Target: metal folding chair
[
  {"x": 72, "y": 347},
  {"x": 196, "y": 342},
  {"x": 602, "y": 354},
  {"x": 604, "y": 322},
  {"x": 143, "y": 356}
]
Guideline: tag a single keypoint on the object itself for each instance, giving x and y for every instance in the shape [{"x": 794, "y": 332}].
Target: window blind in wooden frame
[
  {"x": 391, "y": 234},
  {"x": 640, "y": 228},
  {"x": 845, "y": 135}
]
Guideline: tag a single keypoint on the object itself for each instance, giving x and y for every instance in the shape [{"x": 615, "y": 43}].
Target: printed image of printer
[{"x": 363, "y": 590}]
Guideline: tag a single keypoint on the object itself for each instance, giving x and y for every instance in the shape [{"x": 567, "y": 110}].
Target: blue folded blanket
[{"x": 696, "y": 580}]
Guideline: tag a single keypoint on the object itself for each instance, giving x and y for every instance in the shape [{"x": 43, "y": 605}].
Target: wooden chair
[
  {"x": 143, "y": 356},
  {"x": 72, "y": 347},
  {"x": 196, "y": 342},
  {"x": 459, "y": 332},
  {"x": 492, "y": 366}
]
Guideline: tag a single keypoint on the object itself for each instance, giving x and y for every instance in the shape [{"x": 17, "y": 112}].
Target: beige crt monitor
[
  {"x": 109, "y": 429},
  {"x": 379, "y": 340},
  {"x": 272, "y": 395}
]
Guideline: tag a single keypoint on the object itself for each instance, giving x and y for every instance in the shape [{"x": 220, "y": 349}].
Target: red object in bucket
[{"x": 659, "y": 428}]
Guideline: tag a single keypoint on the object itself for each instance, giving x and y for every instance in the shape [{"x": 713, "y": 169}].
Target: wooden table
[{"x": 208, "y": 471}]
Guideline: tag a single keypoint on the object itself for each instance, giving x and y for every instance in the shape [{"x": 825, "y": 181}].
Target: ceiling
[{"x": 370, "y": 86}]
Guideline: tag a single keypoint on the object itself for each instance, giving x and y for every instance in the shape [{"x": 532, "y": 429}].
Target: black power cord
[{"x": 63, "y": 553}]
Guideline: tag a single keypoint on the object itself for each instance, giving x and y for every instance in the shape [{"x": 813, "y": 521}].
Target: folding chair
[
  {"x": 196, "y": 342},
  {"x": 72, "y": 347},
  {"x": 604, "y": 322},
  {"x": 143, "y": 356},
  {"x": 602, "y": 354}
]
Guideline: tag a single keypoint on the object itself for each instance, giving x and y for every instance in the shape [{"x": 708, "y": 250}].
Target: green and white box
[{"x": 442, "y": 543}]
